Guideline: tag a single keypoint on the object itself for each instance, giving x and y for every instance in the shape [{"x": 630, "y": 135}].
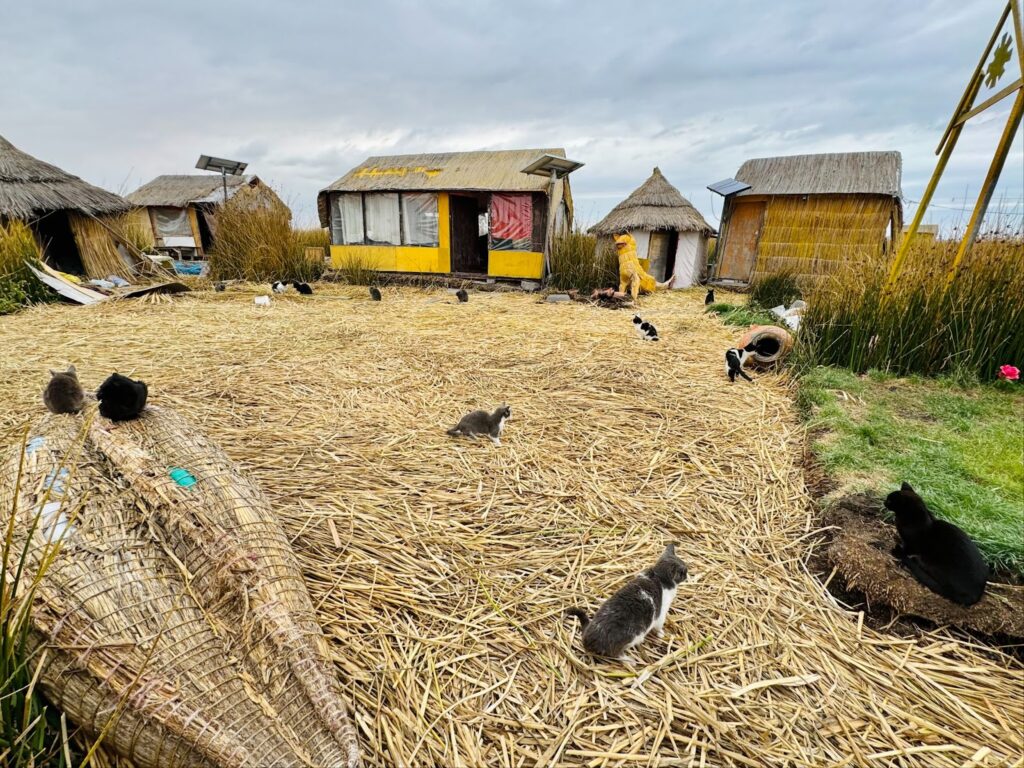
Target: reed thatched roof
[
  {"x": 655, "y": 204},
  {"x": 840, "y": 173},
  {"x": 29, "y": 187},
  {"x": 490, "y": 171},
  {"x": 180, "y": 191}
]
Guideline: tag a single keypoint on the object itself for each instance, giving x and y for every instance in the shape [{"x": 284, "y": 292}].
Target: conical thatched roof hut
[
  {"x": 670, "y": 233},
  {"x": 62, "y": 210}
]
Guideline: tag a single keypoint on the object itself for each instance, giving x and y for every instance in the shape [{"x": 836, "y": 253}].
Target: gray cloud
[{"x": 119, "y": 92}]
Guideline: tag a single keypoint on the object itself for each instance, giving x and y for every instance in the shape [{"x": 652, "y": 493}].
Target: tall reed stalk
[
  {"x": 254, "y": 240},
  {"x": 579, "y": 261},
  {"x": 18, "y": 286}
]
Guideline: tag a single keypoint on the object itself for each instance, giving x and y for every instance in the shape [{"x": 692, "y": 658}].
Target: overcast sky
[{"x": 117, "y": 92}]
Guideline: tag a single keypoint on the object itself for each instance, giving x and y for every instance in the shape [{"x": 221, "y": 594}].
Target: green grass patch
[
  {"x": 959, "y": 446},
  {"x": 742, "y": 315}
]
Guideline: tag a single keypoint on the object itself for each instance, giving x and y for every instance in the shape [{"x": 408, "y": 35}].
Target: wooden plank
[{"x": 740, "y": 252}]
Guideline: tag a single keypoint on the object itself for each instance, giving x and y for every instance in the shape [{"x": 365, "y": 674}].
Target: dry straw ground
[{"x": 440, "y": 568}]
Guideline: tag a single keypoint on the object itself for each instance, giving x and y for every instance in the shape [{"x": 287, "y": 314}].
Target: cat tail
[
  {"x": 580, "y": 614},
  {"x": 743, "y": 373},
  {"x": 455, "y": 431}
]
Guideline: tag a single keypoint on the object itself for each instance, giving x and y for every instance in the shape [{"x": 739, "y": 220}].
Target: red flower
[{"x": 1009, "y": 373}]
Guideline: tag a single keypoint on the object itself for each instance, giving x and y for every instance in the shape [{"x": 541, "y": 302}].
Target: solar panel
[
  {"x": 728, "y": 187},
  {"x": 545, "y": 164}
]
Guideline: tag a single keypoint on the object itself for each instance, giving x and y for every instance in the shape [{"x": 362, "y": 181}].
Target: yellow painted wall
[
  {"x": 405, "y": 258},
  {"x": 515, "y": 264}
]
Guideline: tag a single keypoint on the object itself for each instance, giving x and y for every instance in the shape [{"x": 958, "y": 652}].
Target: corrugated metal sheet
[
  {"x": 846, "y": 173},
  {"x": 491, "y": 171},
  {"x": 728, "y": 187}
]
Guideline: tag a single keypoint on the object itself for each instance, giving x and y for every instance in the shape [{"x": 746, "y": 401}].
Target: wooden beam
[
  {"x": 990, "y": 101},
  {"x": 989, "y": 186}
]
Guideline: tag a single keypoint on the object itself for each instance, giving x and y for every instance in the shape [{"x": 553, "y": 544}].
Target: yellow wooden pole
[
  {"x": 988, "y": 187},
  {"x": 926, "y": 198}
]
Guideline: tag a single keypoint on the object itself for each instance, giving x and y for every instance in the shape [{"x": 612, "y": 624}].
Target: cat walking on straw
[
  {"x": 636, "y": 609},
  {"x": 483, "y": 423}
]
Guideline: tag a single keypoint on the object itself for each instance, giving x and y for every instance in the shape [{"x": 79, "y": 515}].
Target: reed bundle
[
  {"x": 97, "y": 248},
  {"x": 440, "y": 568}
]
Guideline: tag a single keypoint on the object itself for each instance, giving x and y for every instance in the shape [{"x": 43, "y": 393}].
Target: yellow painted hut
[
  {"x": 807, "y": 214},
  {"x": 469, "y": 214},
  {"x": 180, "y": 209},
  {"x": 70, "y": 218}
]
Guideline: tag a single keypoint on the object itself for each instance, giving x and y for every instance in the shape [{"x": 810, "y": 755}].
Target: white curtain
[
  {"x": 382, "y": 219},
  {"x": 172, "y": 222},
  {"x": 347, "y": 219},
  {"x": 419, "y": 218}
]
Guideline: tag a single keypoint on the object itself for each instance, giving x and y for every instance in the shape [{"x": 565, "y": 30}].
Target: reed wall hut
[
  {"x": 180, "y": 208},
  {"x": 67, "y": 215},
  {"x": 469, "y": 214},
  {"x": 807, "y": 214},
  {"x": 671, "y": 235}
]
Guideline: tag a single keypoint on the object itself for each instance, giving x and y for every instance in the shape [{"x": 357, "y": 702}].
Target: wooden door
[
  {"x": 657, "y": 254},
  {"x": 469, "y": 250},
  {"x": 737, "y": 260}
]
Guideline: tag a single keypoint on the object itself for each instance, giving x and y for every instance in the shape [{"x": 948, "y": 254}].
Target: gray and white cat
[
  {"x": 630, "y": 614},
  {"x": 64, "y": 394},
  {"x": 483, "y": 423}
]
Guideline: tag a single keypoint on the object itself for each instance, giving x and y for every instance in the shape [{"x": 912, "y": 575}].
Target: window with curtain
[
  {"x": 172, "y": 222},
  {"x": 511, "y": 219},
  {"x": 419, "y": 218},
  {"x": 347, "y": 219},
  {"x": 382, "y": 218}
]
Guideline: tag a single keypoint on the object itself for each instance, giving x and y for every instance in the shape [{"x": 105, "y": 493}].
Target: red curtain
[{"x": 511, "y": 222}]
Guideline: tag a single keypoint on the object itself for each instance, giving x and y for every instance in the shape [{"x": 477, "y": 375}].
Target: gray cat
[
  {"x": 64, "y": 394},
  {"x": 483, "y": 423},
  {"x": 627, "y": 616}
]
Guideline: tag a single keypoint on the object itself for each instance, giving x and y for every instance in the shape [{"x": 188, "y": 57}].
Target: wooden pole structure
[{"x": 965, "y": 110}]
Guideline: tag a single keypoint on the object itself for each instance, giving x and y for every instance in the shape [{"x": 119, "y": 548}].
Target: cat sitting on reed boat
[
  {"x": 483, "y": 423},
  {"x": 121, "y": 398},
  {"x": 64, "y": 394},
  {"x": 625, "y": 619}
]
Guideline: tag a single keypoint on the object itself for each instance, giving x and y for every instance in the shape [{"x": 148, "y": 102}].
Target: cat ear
[
  {"x": 670, "y": 551},
  {"x": 72, "y": 371},
  {"x": 53, "y": 372},
  {"x": 905, "y": 487}
]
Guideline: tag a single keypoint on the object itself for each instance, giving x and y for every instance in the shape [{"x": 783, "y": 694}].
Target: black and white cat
[
  {"x": 630, "y": 614},
  {"x": 279, "y": 287},
  {"x": 940, "y": 555},
  {"x": 735, "y": 359},
  {"x": 709, "y": 298},
  {"x": 644, "y": 330},
  {"x": 483, "y": 423}
]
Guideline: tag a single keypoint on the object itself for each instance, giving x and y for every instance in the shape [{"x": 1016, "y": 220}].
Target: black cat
[
  {"x": 940, "y": 555},
  {"x": 121, "y": 398}
]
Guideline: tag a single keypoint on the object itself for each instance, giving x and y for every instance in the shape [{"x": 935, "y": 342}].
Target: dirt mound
[{"x": 860, "y": 552}]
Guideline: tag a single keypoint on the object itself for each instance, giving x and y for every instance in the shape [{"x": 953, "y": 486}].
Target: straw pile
[
  {"x": 96, "y": 248},
  {"x": 440, "y": 568},
  {"x": 174, "y": 617}
]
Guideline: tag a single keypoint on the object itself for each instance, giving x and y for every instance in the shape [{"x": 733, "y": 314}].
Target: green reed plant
[
  {"x": 18, "y": 286},
  {"x": 775, "y": 288},
  {"x": 854, "y": 321},
  {"x": 579, "y": 261},
  {"x": 357, "y": 269}
]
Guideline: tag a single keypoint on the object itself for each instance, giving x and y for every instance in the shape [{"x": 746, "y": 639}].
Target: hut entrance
[
  {"x": 740, "y": 252},
  {"x": 661, "y": 252},
  {"x": 58, "y": 243},
  {"x": 469, "y": 245}
]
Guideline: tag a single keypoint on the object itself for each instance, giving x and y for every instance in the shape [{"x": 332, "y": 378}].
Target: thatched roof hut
[
  {"x": 179, "y": 208},
  {"x": 461, "y": 213},
  {"x": 64, "y": 212},
  {"x": 807, "y": 213},
  {"x": 670, "y": 233}
]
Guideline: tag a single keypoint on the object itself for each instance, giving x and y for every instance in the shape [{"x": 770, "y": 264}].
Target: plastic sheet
[
  {"x": 511, "y": 222},
  {"x": 419, "y": 218},
  {"x": 172, "y": 222},
  {"x": 382, "y": 220}
]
